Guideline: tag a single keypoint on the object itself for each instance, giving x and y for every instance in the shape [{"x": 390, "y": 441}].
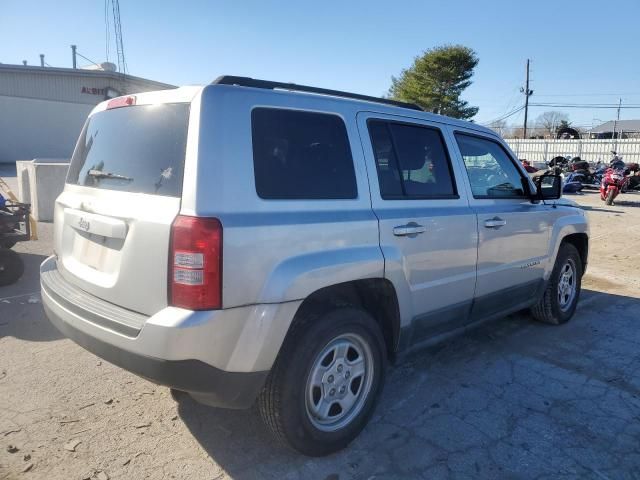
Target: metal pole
[
  {"x": 526, "y": 101},
  {"x": 615, "y": 125},
  {"x": 73, "y": 55},
  {"x": 546, "y": 151},
  {"x": 42, "y": 59}
]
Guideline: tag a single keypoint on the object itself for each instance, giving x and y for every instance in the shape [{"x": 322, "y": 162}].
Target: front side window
[
  {"x": 491, "y": 172},
  {"x": 411, "y": 161},
  {"x": 301, "y": 155}
]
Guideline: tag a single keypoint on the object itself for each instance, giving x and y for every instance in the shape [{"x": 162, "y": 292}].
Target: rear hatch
[{"x": 113, "y": 220}]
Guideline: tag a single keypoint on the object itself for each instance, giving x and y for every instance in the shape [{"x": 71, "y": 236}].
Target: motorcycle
[
  {"x": 614, "y": 181},
  {"x": 570, "y": 181},
  {"x": 592, "y": 178},
  {"x": 632, "y": 172},
  {"x": 559, "y": 162}
]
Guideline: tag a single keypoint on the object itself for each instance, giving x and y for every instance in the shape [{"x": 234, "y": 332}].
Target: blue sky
[{"x": 581, "y": 52}]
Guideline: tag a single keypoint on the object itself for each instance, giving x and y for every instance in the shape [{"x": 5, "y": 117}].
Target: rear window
[
  {"x": 301, "y": 155},
  {"x": 134, "y": 149}
]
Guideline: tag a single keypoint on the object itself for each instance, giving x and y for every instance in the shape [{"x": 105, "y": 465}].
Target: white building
[{"x": 42, "y": 109}]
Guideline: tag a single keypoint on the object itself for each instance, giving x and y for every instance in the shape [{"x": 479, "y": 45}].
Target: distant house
[
  {"x": 42, "y": 109},
  {"x": 623, "y": 129}
]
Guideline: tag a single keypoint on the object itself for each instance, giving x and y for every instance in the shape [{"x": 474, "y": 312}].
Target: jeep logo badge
[{"x": 84, "y": 224}]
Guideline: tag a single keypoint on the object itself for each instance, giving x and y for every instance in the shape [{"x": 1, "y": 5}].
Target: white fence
[{"x": 589, "y": 150}]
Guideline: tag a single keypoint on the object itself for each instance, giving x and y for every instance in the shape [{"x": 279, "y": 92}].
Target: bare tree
[
  {"x": 500, "y": 127},
  {"x": 550, "y": 121},
  {"x": 515, "y": 132}
]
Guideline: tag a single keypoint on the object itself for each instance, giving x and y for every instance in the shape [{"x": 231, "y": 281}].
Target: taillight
[
  {"x": 121, "y": 102},
  {"x": 195, "y": 263}
]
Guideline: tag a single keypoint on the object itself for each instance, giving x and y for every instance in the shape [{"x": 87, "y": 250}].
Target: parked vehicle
[
  {"x": 252, "y": 240},
  {"x": 613, "y": 183},
  {"x": 572, "y": 183},
  {"x": 633, "y": 176},
  {"x": 593, "y": 177},
  {"x": 528, "y": 167},
  {"x": 14, "y": 227},
  {"x": 560, "y": 161}
]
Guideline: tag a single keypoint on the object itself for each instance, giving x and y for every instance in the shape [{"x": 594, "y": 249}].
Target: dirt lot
[{"x": 512, "y": 399}]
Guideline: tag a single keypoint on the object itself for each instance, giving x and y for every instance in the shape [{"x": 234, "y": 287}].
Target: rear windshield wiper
[{"x": 101, "y": 174}]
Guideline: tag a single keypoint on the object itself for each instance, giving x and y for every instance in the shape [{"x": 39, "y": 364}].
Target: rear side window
[
  {"x": 301, "y": 155},
  {"x": 135, "y": 149},
  {"x": 411, "y": 160}
]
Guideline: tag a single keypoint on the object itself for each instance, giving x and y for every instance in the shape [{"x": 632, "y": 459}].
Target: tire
[
  {"x": 11, "y": 267},
  {"x": 609, "y": 199},
  {"x": 292, "y": 394},
  {"x": 550, "y": 308}
]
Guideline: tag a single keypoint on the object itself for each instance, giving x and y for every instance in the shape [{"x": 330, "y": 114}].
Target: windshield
[{"x": 135, "y": 149}]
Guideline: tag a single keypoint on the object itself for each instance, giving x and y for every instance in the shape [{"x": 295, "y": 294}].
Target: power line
[
  {"x": 107, "y": 32},
  {"x": 586, "y": 105},
  {"x": 587, "y": 94},
  {"x": 505, "y": 116},
  {"x": 510, "y": 106}
]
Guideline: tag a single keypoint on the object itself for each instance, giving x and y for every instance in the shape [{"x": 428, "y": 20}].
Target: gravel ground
[{"x": 511, "y": 399}]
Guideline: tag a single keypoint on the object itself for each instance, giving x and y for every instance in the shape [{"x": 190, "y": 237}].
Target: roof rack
[{"x": 266, "y": 84}]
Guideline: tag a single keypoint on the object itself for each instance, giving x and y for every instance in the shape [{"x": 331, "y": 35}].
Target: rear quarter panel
[{"x": 276, "y": 250}]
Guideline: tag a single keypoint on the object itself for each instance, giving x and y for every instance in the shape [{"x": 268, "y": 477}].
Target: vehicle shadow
[
  {"x": 598, "y": 209},
  {"x": 626, "y": 203},
  {"x": 473, "y": 377},
  {"x": 623, "y": 200},
  {"x": 21, "y": 313}
]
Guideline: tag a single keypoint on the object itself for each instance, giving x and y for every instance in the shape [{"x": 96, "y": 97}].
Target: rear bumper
[
  {"x": 221, "y": 358},
  {"x": 206, "y": 383}
]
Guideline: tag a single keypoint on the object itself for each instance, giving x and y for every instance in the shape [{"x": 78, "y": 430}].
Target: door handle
[
  {"x": 495, "y": 222},
  {"x": 409, "y": 229}
]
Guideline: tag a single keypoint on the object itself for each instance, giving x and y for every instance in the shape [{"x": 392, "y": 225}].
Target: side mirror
[{"x": 548, "y": 187}]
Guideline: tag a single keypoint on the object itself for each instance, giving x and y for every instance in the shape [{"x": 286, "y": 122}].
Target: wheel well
[
  {"x": 376, "y": 296},
  {"x": 581, "y": 242}
]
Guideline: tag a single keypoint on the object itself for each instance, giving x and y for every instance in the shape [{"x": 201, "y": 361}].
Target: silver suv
[{"x": 255, "y": 241}]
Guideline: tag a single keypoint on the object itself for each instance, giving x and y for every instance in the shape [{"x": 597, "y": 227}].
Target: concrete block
[
  {"x": 40, "y": 181},
  {"x": 23, "y": 192}
]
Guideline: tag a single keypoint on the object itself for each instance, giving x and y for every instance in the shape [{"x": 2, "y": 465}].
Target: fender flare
[
  {"x": 298, "y": 277},
  {"x": 563, "y": 227}
]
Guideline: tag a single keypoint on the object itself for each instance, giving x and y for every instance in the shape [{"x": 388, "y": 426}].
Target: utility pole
[
  {"x": 73, "y": 55},
  {"x": 615, "y": 125},
  {"x": 527, "y": 94}
]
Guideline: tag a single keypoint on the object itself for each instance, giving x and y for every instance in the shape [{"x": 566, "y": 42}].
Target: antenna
[{"x": 117, "y": 28}]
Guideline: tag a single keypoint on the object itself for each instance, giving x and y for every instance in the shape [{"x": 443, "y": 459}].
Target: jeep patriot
[{"x": 251, "y": 241}]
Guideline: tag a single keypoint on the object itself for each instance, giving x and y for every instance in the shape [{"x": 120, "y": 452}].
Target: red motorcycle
[{"x": 613, "y": 182}]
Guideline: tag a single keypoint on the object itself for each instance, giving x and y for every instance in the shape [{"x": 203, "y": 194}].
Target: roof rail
[{"x": 266, "y": 84}]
